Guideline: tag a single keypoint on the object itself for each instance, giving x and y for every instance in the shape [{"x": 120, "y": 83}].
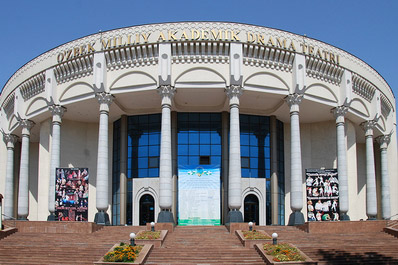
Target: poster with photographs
[
  {"x": 322, "y": 195},
  {"x": 71, "y": 194}
]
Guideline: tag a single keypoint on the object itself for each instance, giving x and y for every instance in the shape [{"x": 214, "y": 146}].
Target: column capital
[
  {"x": 26, "y": 126},
  {"x": 57, "y": 111},
  {"x": 293, "y": 101},
  {"x": 368, "y": 127},
  {"x": 167, "y": 93},
  {"x": 105, "y": 100},
  {"x": 339, "y": 113},
  {"x": 234, "y": 91},
  {"x": 384, "y": 140},
  {"x": 10, "y": 140}
]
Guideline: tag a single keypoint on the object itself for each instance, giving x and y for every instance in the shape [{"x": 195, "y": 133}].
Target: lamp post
[
  {"x": 132, "y": 236},
  {"x": 153, "y": 226},
  {"x": 250, "y": 226},
  {"x": 274, "y": 238}
]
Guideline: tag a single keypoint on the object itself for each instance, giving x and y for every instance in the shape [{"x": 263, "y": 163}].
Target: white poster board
[{"x": 199, "y": 195}]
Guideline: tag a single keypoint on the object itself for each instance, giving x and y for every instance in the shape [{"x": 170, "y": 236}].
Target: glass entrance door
[
  {"x": 147, "y": 209},
  {"x": 251, "y": 209}
]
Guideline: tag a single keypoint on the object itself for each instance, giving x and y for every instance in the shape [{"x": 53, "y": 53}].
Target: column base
[
  {"x": 165, "y": 216},
  {"x": 296, "y": 218},
  {"x": 234, "y": 216},
  {"x": 344, "y": 217},
  {"x": 102, "y": 218},
  {"x": 51, "y": 217}
]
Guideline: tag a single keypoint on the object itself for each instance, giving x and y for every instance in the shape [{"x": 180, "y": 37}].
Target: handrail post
[{"x": 1, "y": 211}]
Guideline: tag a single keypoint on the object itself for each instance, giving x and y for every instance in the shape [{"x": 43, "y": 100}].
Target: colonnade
[{"x": 166, "y": 93}]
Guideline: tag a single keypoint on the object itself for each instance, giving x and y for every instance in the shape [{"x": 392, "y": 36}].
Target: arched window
[
  {"x": 147, "y": 209},
  {"x": 251, "y": 207}
]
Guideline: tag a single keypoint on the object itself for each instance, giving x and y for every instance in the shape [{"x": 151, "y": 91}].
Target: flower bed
[
  {"x": 283, "y": 253},
  {"x": 255, "y": 235},
  {"x": 250, "y": 238},
  {"x": 155, "y": 238},
  {"x": 126, "y": 254},
  {"x": 149, "y": 235}
]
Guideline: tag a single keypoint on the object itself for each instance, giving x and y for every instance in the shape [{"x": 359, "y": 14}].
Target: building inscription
[{"x": 264, "y": 40}]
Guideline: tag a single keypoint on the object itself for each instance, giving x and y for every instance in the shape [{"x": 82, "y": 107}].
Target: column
[
  {"x": 371, "y": 197},
  {"x": 102, "y": 217},
  {"x": 296, "y": 178},
  {"x": 10, "y": 141},
  {"x": 57, "y": 112},
  {"x": 339, "y": 114},
  {"x": 384, "y": 140},
  {"x": 165, "y": 167},
  {"x": 274, "y": 171},
  {"x": 234, "y": 179},
  {"x": 23, "y": 194}
]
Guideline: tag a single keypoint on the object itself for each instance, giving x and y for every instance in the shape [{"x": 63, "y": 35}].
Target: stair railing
[
  {"x": 8, "y": 221},
  {"x": 392, "y": 223}
]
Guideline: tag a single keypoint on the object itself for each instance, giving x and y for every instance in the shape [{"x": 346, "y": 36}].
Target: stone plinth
[
  {"x": 57, "y": 227},
  {"x": 232, "y": 227},
  {"x": 343, "y": 227},
  {"x": 161, "y": 226}
]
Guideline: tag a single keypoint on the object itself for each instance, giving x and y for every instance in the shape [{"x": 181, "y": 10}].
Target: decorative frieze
[
  {"x": 78, "y": 67},
  {"x": 323, "y": 70},
  {"x": 363, "y": 87},
  {"x": 33, "y": 86}
]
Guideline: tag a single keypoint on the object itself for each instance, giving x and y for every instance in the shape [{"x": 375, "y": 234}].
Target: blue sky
[{"x": 367, "y": 29}]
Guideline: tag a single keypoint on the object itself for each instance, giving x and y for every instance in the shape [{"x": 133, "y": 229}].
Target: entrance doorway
[
  {"x": 251, "y": 209},
  {"x": 147, "y": 209}
]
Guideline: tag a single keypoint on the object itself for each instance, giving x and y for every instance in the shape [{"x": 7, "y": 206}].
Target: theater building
[{"x": 197, "y": 123}]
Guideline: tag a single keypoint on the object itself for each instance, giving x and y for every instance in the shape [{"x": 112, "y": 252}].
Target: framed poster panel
[
  {"x": 322, "y": 188},
  {"x": 199, "y": 195},
  {"x": 71, "y": 194}
]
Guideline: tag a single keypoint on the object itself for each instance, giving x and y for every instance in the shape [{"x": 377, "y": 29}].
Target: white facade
[{"x": 200, "y": 61}]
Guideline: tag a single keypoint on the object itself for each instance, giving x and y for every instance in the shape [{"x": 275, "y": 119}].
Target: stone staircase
[
  {"x": 203, "y": 245},
  {"x": 199, "y": 244},
  {"x": 372, "y": 247},
  {"x": 61, "y": 248}
]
